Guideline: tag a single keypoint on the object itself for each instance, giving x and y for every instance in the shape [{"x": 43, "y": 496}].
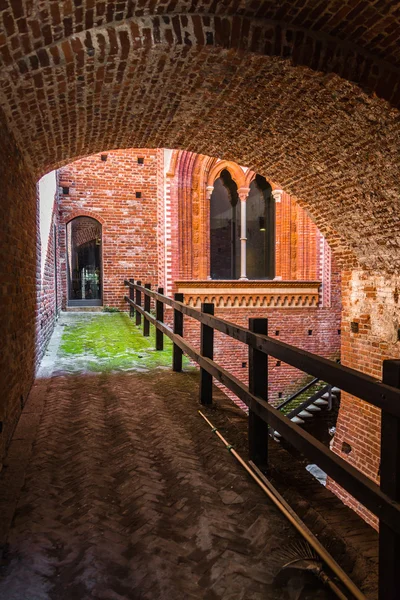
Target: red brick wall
[
  {"x": 293, "y": 326},
  {"x": 160, "y": 219},
  {"x": 106, "y": 190},
  {"x": 297, "y": 242},
  {"x": 173, "y": 254},
  {"x": 19, "y": 276},
  {"x": 298, "y": 257},
  {"x": 372, "y": 301}
]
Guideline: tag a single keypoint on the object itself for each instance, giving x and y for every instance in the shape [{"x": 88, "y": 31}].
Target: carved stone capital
[
  {"x": 277, "y": 194},
  {"x": 209, "y": 191},
  {"x": 243, "y": 192}
]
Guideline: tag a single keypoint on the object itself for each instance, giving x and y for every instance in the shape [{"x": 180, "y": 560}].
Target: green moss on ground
[{"x": 110, "y": 342}]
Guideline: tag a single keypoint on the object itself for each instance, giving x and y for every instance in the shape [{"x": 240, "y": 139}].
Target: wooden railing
[{"x": 383, "y": 500}]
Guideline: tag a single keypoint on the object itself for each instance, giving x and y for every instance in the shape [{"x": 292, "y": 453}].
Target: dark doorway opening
[{"x": 84, "y": 242}]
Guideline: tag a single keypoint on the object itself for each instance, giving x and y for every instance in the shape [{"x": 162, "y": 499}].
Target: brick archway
[
  {"x": 315, "y": 135},
  {"x": 85, "y": 213},
  {"x": 234, "y": 169},
  {"x": 306, "y": 96},
  {"x": 345, "y": 42}
]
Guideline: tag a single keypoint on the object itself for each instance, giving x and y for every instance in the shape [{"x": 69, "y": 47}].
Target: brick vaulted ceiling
[{"x": 306, "y": 92}]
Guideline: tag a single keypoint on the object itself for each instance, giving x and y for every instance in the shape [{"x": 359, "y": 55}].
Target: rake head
[{"x": 300, "y": 570}]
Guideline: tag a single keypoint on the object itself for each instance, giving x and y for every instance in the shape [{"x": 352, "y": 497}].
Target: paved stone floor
[{"x": 124, "y": 493}]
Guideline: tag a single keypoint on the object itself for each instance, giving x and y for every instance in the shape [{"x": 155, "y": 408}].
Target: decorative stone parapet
[{"x": 251, "y": 294}]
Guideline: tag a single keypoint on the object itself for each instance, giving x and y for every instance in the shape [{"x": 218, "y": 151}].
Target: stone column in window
[{"x": 243, "y": 193}]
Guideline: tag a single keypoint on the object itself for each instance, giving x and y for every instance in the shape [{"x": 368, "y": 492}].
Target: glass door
[{"x": 84, "y": 242}]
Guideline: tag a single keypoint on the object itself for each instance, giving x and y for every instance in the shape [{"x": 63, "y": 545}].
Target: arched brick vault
[
  {"x": 306, "y": 93},
  {"x": 305, "y": 96}
]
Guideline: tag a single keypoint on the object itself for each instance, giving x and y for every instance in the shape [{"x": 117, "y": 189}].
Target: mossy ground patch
[{"x": 103, "y": 342}]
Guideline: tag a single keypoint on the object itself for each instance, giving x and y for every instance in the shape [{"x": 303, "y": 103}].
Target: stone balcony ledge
[{"x": 251, "y": 294}]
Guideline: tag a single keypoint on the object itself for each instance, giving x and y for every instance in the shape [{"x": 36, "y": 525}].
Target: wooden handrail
[
  {"x": 383, "y": 500},
  {"x": 354, "y": 382},
  {"x": 356, "y": 483}
]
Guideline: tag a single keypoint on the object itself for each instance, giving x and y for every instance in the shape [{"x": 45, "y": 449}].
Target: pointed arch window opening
[
  {"x": 224, "y": 228},
  {"x": 242, "y": 233}
]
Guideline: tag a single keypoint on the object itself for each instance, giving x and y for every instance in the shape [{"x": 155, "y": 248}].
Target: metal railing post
[
  {"x": 389, "y": 540},
  {"x": 178, "y": 329},
  {"x": 160, "y": 317},
  {"x": 207, "y": 350},
  {"x": 131, "y": 297},
  {"x": 146, "y": 322},
  {"x": 138, "y": 301},
  {"x": 258, "y": 385}
]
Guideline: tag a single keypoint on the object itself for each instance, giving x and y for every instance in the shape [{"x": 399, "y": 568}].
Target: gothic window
[
  {"x": 260, "y": 230},
  {"x": 224, "y": 228},
  {"x": 242, "y": 233}
]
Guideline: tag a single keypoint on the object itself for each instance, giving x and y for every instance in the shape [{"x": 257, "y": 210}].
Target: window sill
[{"x": 251, "y": 293}]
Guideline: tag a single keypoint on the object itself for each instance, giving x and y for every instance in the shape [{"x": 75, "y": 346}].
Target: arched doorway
[{"x": 84, "y": 262}]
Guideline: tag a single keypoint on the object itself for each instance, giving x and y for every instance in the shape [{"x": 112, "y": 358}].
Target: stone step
[
  {"x": 304, "y": 414},
  {"x": 336, "y": 390},
  {"x": 297, "y": 421},
  {"x": 326, "y": 396},
  {"x": 86, "y": 309},
  {"x": 321, "y": 402},
  {"x": 313, "y": 408}
]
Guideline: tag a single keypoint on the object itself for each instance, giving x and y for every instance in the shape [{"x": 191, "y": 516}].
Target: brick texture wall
[
  {"x": 372, "y": 301},
  {"x": 77, "y": 79},
  {"x": 301, "y": 253},
  {"x": 288, "y": 325},
  {"x": 107, "y": 190},
  {"x": 19, "y": 276}
]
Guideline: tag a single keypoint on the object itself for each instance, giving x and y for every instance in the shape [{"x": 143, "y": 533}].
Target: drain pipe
[{"x": 295, "y": 520}]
